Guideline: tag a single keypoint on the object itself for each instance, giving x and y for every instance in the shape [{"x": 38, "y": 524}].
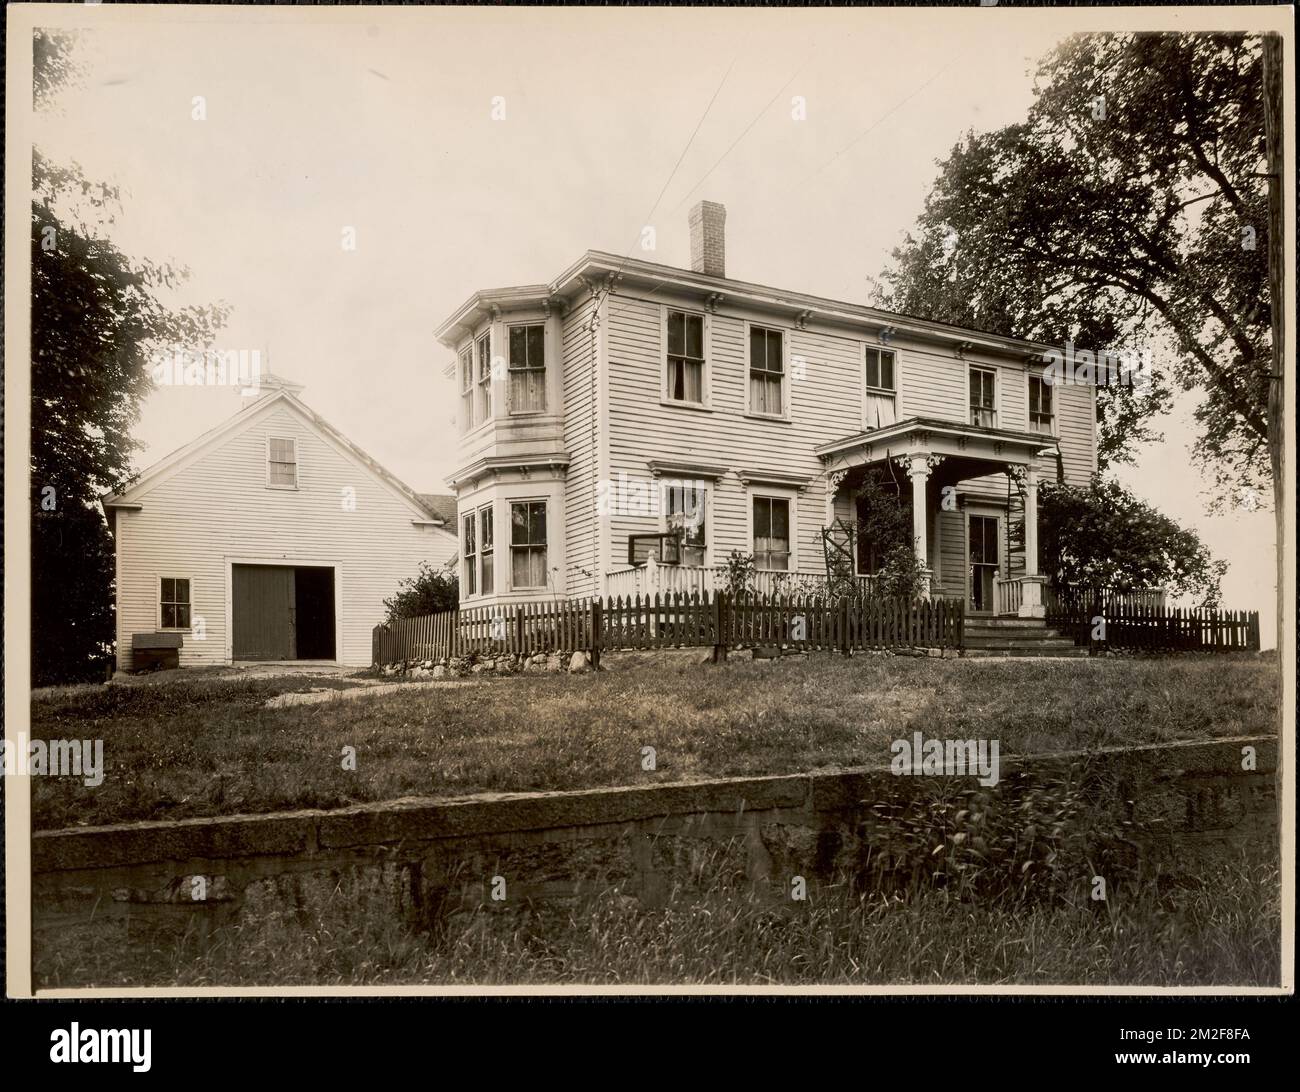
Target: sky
[{"x": 614, "y": 120}]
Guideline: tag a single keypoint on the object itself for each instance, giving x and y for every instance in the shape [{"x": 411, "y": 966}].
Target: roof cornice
[{"x": 600, "y": 269}]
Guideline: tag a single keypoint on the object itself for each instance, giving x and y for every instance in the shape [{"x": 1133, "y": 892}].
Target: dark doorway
[
  {"x": 983, "y": 539},
  {"x": 314, "y": 591},
  {"x": 281, "y": 612}
]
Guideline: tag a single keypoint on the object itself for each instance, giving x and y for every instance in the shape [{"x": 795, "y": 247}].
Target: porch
[{"x": 975, "y": 538}]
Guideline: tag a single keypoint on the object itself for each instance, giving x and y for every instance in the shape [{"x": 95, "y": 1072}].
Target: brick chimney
[{"x": 709, "y": 239}]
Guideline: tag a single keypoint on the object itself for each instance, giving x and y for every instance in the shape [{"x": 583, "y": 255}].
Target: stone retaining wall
[{"x": 1179, "y": 808}]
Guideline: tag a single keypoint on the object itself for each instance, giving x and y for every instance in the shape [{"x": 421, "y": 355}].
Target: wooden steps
[{"x": 1010, "y": 637}]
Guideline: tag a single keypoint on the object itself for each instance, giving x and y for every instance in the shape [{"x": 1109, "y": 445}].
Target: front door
[
  {"x": 982, "y": 544},
  {"x": 263, "y": 607}
]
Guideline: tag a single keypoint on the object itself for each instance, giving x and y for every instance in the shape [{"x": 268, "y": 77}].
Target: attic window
[{"x": 282, "y": 462}]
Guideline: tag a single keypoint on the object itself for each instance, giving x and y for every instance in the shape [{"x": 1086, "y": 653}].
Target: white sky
[{"x": 387, "y": 128}]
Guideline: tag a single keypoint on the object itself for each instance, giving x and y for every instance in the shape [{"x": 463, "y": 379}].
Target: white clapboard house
[
  {"x": 270, "y": 538},
  {"x": 626, "y": 400}
]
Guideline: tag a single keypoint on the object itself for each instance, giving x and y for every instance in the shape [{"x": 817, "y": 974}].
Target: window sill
[
  {"x": 698, "y": 407},
  {"x": 779, "y": 418},
  {"x": 283, "y": 488}
]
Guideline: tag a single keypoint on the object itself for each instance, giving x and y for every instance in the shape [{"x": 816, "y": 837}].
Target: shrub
[
  {"x": 902, "y": 575},
  {"x": 739, "y": 575},
  {"x": 430, "y": 592}
]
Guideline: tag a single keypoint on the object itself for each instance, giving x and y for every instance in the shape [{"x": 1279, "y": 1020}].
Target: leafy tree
[
  {"x": 97, "y": 319},
  {"x": 1127, "y": 212},
  {"x": 1102, "y": 536},
  {"x": 430, "y": 592}
]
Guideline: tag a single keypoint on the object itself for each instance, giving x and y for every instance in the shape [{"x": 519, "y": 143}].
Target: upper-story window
[
  {"x": 685, "y": 507},
  {"x": 466, "y": 367},
  {"x": 282, "y": 462},
  {"x": 766, "y": 371},
  {"x": 1042, "y": 418},
  {"x": 485, "y": 551},
  {"x": 771, "y": 533},
  {"x": 484, "y": 352},
  {"x": 527, "y": 367},
  {"x": 528, "y": 544},
  {"x": 983, "y": 407},
  {"x": 685, "y": 357},
  {"x": 469, "y": 552},
  {"x": 882, "y": 390}
]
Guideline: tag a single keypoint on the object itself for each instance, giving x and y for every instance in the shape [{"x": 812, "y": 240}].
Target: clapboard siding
[
  {"x": 217, "y": 506},
  {"x": 825, "y": 404},
  {"x": 823, "y": 400},
  {"x": 581, "y": 435},
  {"x": 931, "y": 384}
]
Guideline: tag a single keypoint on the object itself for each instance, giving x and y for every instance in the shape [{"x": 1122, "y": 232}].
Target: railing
[
  {"x": 674, "y": 620},
  {"x": 653, "y": 578},
  {"x": 1008, "y": 595},
  {"x": 1119, "y": 598}
]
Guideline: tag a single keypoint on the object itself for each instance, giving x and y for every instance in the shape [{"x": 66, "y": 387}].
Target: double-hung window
[
  {"x": 282, "y": 462},
  {"x": 771, "y": 533},
  {"x": 483, "y": 349},
  {"x": 469, "y": 552},
  {"x": 766, "y": 371},
  {"x": 174, "y": 603},
  {"x": 685, "y": 357},
  {"x": 1041, "y": 417},
  {"x": 467, "y": 388},
  {"x": 486, "y": 535},
  {"x": 882, "y": 390},
  {"x": 528, "y": 544},
  {"x": 686, "y": 514},
  {"x": 983, "y": 411},
  {"x": 527, "y": 367}
]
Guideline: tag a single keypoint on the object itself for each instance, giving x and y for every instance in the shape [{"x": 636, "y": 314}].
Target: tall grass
[{"x": 1224, "y": 929}]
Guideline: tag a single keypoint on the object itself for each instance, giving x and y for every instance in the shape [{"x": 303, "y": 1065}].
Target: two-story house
[{"x": 627, "y": 399}]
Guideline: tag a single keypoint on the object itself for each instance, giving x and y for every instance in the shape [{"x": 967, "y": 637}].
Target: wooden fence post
[
  {"x": 719, "y": 633},
  {"x": 846, "y": 641},
  {"x": 595, "y": 634}
]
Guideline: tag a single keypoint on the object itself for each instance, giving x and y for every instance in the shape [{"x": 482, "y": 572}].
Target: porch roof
[{"x": 932, "y": 435}]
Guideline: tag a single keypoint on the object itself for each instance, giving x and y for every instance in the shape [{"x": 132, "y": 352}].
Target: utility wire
[
  {"x": 743, "y": 134},
  {"x": 887, "y": 114}
]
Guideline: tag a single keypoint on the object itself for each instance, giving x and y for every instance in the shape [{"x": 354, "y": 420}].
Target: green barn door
[{"x": 263, "y": 613}]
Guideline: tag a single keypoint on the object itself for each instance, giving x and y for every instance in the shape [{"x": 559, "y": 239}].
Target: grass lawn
[
  {"x": 208, "y": 747},
  {"x": 1224, "y": 929}
]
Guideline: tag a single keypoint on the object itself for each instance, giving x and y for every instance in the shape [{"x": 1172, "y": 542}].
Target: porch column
[
  {"x": 919, "y": 471},
  {"x": 1031, "y": 522},
  {"x": 1031, "y": 600}
]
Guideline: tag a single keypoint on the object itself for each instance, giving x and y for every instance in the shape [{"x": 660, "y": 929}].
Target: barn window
[
  {"x": 175, "y": 602},
  {"x": 282, "y": 462}
]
